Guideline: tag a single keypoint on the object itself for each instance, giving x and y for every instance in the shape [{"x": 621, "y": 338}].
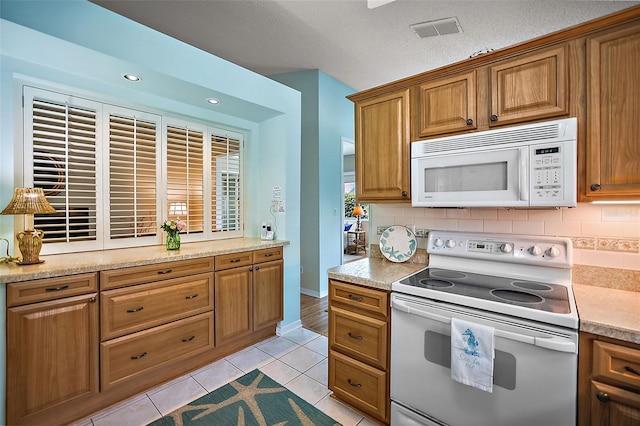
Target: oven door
[
  {"x": 535, "y": 368},
  {"x": 496, "y": 177}
]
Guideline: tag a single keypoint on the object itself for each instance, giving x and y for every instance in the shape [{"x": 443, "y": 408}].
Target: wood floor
[{"x": 313, "y": 314}]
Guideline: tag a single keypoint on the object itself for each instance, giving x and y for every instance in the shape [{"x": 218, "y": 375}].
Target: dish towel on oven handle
[{"x": 472, "y": 354}]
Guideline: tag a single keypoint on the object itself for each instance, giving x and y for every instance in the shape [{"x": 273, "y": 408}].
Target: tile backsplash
[{"x": 604, "y": 235}]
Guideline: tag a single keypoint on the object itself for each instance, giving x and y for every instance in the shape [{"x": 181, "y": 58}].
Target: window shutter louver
[
  {"x": 132, "y": 177},
  {"x": 225, "y": 185},
  {"x": 185, "y": 176},
  {"x": 64, "y": 166}
]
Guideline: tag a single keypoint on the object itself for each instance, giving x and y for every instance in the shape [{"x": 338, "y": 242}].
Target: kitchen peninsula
[
  {"x": 608, "y": 316},
  {"x": 85, "y": 331}
]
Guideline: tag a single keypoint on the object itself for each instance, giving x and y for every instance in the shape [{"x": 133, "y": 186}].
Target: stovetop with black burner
[{"x": 527, "y": 294}]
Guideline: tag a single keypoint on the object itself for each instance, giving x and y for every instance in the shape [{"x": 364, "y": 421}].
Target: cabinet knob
[
  {"x": 404, "y": 193},
  {"x": 469, "y": 121},
  {"x": 493, "y": 117},
  {"x": 602, "y": 397},
  {"x": 595, "y": 187}
]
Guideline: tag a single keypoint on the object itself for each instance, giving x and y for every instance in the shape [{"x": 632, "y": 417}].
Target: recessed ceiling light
[
  {"x": 213, "y": 101},
  {"x": 132, "y": 77}
]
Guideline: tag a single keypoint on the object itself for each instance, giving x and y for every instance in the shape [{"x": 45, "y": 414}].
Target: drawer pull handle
[
  {"x": 353, "y": 336},
  {"x": 131, "y": 311},
  {"x": 356, "y": 298},
  {"x": 62, "y": 287},
  {"x": 268, "y": 255},
  {"x": 602, "y": 397},
  {"x": 632, "y": 370},
  {"x": 188, "y": 339},
  {"x": 142, "y": 355},
  {"x": 235, "y": 260},
  {"x": 166, "y": 271},
  {"x": 355, "y": 385},
  {"x": 191, "y": 297}
]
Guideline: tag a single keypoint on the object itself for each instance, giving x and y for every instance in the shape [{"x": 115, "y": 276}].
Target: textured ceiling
[{"x": 360, "y": 47}]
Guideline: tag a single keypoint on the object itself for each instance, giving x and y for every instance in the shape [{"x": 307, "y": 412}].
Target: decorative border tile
[
  {"x": 584, "y": 243},
  {"x": 419, "y": 232},
  {"x": 606, "y": 244}
]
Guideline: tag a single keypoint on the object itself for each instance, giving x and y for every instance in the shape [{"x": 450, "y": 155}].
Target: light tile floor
[{"x": 297, "y": 360}]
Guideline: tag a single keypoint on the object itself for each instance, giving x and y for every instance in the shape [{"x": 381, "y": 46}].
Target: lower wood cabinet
[
  {"x": 609, "y": 382},
  {"x": 78, "y": 344},
  {"x": 137, "y": 354},
  {"x": 52, "y": 348},
  {"x": 359, "y": 336},
  {"x": 248, "y": 293}
]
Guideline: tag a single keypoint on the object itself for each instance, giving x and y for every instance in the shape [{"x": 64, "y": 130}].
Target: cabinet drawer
[
  {"x": 358, "y": 384},
  {"x": 130, "y": 309},
  {"x": 372, "y": 301},
  {"x": 149, "y": 273},
  {"x": 618, "y": 363},
  {"x": 136, "y": 354},
  {"x": 234, "y": 260},
  {"x": 359, "y": 336},
  {"x": 50, "y": 289},
  {"x": 266, "y": 255}
]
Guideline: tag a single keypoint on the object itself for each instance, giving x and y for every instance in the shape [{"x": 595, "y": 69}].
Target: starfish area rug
[{"x": 253, "y": 399}]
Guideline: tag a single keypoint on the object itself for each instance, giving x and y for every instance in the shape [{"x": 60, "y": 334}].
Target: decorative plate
[{"x": 398, "y": 243}]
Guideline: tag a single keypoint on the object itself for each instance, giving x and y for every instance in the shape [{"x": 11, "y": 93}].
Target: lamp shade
[
  {"x": 358, "y": 210},
  {"x": 28, "y": 201}
]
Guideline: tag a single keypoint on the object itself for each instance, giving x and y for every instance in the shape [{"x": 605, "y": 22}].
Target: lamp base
[
  {"x": 30, "y": 243},
  {"x": 34, "y": 263}
]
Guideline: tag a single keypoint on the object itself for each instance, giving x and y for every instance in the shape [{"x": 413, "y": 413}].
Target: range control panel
[{"x": 539, "y": 250}]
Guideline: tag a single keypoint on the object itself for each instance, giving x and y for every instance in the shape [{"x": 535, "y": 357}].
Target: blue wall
[
  {"x": 79, "y": 46},
  {"x": 327, "y": 117}
]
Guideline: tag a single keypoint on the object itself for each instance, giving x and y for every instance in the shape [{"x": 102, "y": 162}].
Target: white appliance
[
  {"x": 519, "y": 285},
  {"x": 534, "y": 165}
]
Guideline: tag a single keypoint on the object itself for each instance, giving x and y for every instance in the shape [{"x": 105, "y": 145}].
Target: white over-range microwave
[{"x": 533, "y": 165}]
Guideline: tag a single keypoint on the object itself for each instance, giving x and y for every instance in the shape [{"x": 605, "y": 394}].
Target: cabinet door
[
  {"x": 233, "y": 304},
  {"x": 613, "y": 109},
  {"x": 447, "y": 105},
  {"x": 267, "y": 293},
  {"x": 613, "y": 406},
  {"x": 530, "y": 87},
  {"x": 383, "y": 148},
  {"x": 52, "y": 355}
]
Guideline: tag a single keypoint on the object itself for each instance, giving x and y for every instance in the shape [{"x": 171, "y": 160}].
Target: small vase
[{"x": 173, "y": 240}]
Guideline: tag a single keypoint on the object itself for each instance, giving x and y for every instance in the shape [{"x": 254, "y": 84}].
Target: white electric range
[{"x": 518, "y": 284}]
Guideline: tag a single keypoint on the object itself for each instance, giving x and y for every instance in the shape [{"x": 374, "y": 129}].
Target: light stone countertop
[
  {"x": 374, "y": 272},
  {"x": 78, "y": 263},
  {"x": 603, "y": 311},
  {"x": 608, "y": 312}
]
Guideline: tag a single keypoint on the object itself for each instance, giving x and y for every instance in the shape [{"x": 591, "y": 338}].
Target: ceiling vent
[{"x": 437, "y": 28}]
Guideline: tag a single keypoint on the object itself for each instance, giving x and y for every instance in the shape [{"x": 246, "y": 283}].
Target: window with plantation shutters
[
  {"x": 61, "y": 156},
  {"x": 115, "y": 174},
  {"x": 133, "y": 180},
  {"x": 226, "y": 208},
  {"x": 185, "y": 176}
]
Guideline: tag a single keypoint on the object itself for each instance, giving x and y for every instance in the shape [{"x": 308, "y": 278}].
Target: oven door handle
[{"x": 554, "y": 343}]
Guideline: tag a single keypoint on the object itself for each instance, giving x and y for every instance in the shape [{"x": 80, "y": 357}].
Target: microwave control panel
[{"x": 547, "y": 172}]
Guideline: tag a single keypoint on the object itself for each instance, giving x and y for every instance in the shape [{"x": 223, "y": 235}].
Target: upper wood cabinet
[
  {"x": 447, "y": 105},
  {"x": 613, "y": 114},
  {"x": 528, "y": 87},
  {"x": 383, "y": 148}
]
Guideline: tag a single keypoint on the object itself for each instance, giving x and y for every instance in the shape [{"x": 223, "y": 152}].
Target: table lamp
[
  {"x": 29, "y": 201},
  {"x": 357, "y": 212}
]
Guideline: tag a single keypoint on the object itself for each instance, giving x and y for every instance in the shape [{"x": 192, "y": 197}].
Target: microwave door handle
[{"x": 523, "y": 173}]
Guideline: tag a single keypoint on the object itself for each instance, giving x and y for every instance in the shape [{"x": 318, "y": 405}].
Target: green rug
[{"x": 253, "y": 399}]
